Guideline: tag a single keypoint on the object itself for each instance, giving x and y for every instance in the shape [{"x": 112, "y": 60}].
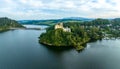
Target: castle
[{"x": 60, "y": 25}]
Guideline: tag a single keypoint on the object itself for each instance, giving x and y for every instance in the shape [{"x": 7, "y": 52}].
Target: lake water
[{"x": 19, "y": 49}]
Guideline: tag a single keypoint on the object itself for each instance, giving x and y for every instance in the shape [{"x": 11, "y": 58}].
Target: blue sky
[{"x": 54, "y": 9}]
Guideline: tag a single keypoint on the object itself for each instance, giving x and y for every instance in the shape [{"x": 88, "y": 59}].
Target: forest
[{"x": 6, "y": 24}]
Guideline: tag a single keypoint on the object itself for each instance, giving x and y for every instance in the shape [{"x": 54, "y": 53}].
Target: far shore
[{"x": 26, "y": 28}]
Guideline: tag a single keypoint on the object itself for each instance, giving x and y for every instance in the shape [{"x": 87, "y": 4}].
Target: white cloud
[{"x": 42, "y": 9}]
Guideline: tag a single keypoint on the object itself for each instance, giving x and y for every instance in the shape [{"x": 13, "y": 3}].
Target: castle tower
[{"x": 60, "y": 25}]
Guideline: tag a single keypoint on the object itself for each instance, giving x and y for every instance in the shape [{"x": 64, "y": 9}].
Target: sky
[{"x": 55, "y": 9}]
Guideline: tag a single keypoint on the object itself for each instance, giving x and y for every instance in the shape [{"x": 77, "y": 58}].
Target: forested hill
[
  {"x": 64, "y": 20},
  {"x": 6, "y": 23},
  {"x": 51, "y": 22},
  {"x": 81, "y": 33}
]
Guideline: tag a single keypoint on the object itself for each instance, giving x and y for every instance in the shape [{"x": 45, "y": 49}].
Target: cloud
[{"x": 48, "y": 9}]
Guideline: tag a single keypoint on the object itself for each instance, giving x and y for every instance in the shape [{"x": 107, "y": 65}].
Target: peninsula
[{"x": 77, "y": 34}]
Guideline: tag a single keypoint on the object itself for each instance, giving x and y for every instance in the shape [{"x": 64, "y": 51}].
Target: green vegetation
[
  {"x": 47, "y": 22},
  {"x": 81, "y": 33},
  {"x": 6, "y": 24},
  {"x": 52, "y": 22}
]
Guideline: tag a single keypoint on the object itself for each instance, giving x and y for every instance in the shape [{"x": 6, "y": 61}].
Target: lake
[{"x": 19, "y": 49}]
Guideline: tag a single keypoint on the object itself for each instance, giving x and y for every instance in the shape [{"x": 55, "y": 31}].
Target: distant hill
[
  {"x": 117, "y": 20},
  {"x": 54, "y": 21},
  {"x": 51, "y": 22},
  {"x": 6, "y": 23},
  {"x": 79, "y": 18}
]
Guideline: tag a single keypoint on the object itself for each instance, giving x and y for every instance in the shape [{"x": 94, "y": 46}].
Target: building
[
  {"x": 67, "y": 29},
  {"x": 60, "y": 25}
]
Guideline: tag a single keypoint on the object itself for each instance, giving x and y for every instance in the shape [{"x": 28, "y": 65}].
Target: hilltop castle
[{"x": 60, "y": 25}]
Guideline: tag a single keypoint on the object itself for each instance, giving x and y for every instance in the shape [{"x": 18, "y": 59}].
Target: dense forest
[
  {"x": 81, "y": 33},
  {"x": 6, "y": 24}
]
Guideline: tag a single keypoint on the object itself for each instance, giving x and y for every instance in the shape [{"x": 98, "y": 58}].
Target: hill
[
  {"x": 81, "y": 33},
  {"x": 6, "y": 24},
  {"x": 54, "y": 21},
  {"x": 80, "y": 18}
]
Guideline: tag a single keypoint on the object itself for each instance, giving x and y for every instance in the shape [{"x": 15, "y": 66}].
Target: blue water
[{"x": 19, "y": 49}]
